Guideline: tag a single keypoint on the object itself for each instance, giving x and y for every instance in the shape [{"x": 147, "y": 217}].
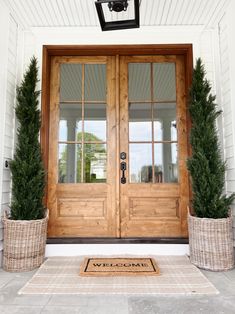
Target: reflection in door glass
[
  {"x": 69, "y": 163},
  {"x": 166, "y": 162},
  {"x": 63, "y": 130},
  {"x": 70, "y": 82},
  {"x": 139, "y": 82},
  {"x": 95, "y": 122},
  {"x": 140, "y": 125},
  {"x": 95, "y": 160},
  {"x": 158, "y": 130},
  {"x": 70, "y": 126},
  {"x": 82, "y": 123},
  {"x": 165, "y": 113},
  {"x": 173, "y": 131},
  {"x": 164, "y": 86},
  {"x": 95, "y": 82},
  {"x": 140, "y": 163}
]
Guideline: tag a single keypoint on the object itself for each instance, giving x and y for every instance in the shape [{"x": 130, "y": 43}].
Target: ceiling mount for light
[
  {"x": 118, "y": 6},
  {"x": 118, "y": 14}
]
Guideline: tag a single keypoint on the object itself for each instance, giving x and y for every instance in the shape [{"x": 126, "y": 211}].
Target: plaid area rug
[{"x": 60, "y": 275}]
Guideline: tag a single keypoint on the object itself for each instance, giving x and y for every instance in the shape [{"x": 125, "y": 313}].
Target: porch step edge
[{"x": 116, "y": 249}]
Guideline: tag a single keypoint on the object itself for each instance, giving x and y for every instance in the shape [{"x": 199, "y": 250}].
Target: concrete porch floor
[{"x": 12, "y": 303}]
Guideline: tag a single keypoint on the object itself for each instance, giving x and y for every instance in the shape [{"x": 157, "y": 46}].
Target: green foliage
[
  {"x": 206, "y": 166},
  {"x": 90, "y": 151},
  {"x": 28, "y": 176}
]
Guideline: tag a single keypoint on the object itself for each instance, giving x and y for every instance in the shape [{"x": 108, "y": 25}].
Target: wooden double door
[{"x": 117, "y": 147}]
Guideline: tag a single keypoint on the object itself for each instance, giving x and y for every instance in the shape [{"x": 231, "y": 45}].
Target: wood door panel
[
  {"x": 150, "y": 208},
  {"x": 155, "y": 209},
  {"x": 152, "y": 190},
  {"x": 149, "y": 229},
  {"x": 80, "y": 189},
  {"x": 82, "y": 209},
  {"x": 83, "y": 228}
]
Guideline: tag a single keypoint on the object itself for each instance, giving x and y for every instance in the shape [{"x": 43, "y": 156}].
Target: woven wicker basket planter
[
  {"x": 24, "y": 244},
  {"x": 211, "y": 243}
]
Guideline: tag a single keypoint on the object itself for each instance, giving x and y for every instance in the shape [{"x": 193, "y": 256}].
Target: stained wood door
[
  {"x": 82, "y": 149},
  {"x": 101, "y": 107},
  {"x": 153, "y": 136}
]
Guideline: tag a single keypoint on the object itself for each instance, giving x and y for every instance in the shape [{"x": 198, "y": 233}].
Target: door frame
[{"x": 185, "y": 50}]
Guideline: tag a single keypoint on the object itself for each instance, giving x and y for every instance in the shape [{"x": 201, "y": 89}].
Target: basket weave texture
[
  {"x": 24, "y": 244},
  {"x": 211, "y": 243}
]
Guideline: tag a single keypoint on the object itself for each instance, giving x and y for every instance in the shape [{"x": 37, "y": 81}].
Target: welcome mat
[
  {"x": 119, "y": 267},
  {"x": 60, "y": 275}
]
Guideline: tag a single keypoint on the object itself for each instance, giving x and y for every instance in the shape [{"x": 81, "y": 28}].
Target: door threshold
[
  {"x": 115, "y": 249},
  {"x": 72, "y": 240}
]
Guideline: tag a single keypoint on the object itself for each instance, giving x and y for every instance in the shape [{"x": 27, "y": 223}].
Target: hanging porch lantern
[{"x": 118, "y": 14}]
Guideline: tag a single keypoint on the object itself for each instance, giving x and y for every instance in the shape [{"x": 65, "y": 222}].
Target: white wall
[
  {"x": 85, "y": 36},
  {"x": 226, "y": 31},
  {"x": 10, "y": 35},
  {"x": 4, "y": 25}
]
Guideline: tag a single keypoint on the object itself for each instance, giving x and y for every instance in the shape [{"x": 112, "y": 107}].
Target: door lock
[{"x": 123, "y": 155}]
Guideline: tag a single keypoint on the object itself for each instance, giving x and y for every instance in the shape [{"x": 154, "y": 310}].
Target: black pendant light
[{"x": 118, "y": 14}]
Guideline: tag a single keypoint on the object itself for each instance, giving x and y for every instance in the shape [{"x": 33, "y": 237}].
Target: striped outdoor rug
[{"x": 60, "y": 275}]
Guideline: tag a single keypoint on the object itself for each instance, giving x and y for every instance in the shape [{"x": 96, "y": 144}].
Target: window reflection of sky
[
  {"x": 140, "y": 131},
  {"x": 63, "y": 134},
  {"x": 97, "y": 128}
]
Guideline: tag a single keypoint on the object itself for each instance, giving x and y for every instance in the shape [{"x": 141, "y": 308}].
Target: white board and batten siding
[
  {"x": 7, "y": 127},
  {"x": 226, "y": 33}
]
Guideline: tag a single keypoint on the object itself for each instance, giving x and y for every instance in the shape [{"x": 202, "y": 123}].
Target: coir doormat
[{"x": 94, "y": 267}]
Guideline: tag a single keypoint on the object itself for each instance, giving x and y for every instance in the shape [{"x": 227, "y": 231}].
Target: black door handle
[{"x": 123, "y": 168}]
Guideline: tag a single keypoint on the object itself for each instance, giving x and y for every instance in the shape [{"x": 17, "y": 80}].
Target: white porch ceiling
[{"x": 82, "y": 13}]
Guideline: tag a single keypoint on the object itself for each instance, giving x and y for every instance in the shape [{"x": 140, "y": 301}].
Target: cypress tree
[
  {"x": 28, "y": 176},
  {"x": 206, "y": 166}
]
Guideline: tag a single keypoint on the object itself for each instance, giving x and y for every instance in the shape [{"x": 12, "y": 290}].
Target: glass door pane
[
  {"x": 152, "y": 123},
  {"x": 83, "y": 123}
]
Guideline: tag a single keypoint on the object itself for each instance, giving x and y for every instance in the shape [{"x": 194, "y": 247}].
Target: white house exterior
[{"x": 25, "y": 26}]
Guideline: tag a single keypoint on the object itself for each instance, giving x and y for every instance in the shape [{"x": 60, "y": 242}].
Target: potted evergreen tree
[
  {"x": 209, "y": 219},
  {"x": 25, "y": 227}
]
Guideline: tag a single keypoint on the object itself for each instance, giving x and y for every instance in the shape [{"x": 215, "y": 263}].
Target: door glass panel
[
  {"x": 164, "y": 82},
  {"x": 173, "y": 130},
  {"x": 165, "y": 122},
  {"x": 63, "y": 130},
  {"x": 70, "y": 82},
  {"x": 95, "y": 82},
  {"x": 69, "y": 163},
  {"x": 95, "y": 122},
  {"x": 139, "y": 82},
  {"x": 95, "y": 163},
  {"x": 166, "y": 162},
  {"x": 70, "y": 126},
  {"x": 140, "y": 160},
  {"x": 82, "y": 114},
  {"x": 140, "y": 125},
  {"x": 158, "y": 130}
]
